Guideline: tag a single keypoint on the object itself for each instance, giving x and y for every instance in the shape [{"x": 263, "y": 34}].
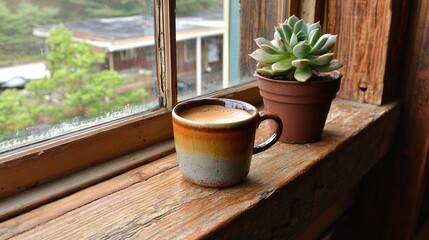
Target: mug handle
[{"x": 274, "y": 137}]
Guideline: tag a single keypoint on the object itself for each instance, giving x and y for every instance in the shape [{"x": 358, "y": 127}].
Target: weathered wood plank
[
  {"x": 363, "y": 29},
  {"x": 288, "y": 187},
  {"x": 410, "y": 165},
  {"x": 423, "y": 233},
  {"x": 309, "y": 10},
  {"x": 365, "y": 219},
  {"x": 70, "y": 154},
  {"x": 320, "y": 227},
  {"x": 257, "y": 18},
  {"x": 64, "y": 186},
  {"x": 304, "y": 199}
]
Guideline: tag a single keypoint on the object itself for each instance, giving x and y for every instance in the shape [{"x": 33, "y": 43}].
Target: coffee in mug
[
  {"x": 215, "y": 114},
  {"x": 214, "y": 139}
]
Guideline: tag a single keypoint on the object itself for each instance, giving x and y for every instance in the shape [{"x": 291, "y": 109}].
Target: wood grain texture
[
  {"x": 257, "y": 19},
  {"x": 423, "y": 233},
  {"x": 70, "y": 154},
  {"x": 410, "y": 166},
  {"x": 37, "y": 196},
  {"x": 363, "y": 29},
  {"x": 288, "y": 187},
  {"x": 309, "y": 10}
]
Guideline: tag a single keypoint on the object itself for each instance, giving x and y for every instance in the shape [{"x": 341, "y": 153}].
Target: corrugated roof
[
  {"x": 114, "y": 34},
  {"x": 114, "y": 28}
]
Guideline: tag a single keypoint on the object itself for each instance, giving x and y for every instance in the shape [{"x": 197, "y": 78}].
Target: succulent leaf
[
  {"x": 300, "y": 26},
  {"x": 277, "y": 35},
  {"x": 288, "y": 32},
  {"x": 333, "y": 65},
  {"x": 261, "y": 40},
  {"x": 267, "y": 46},
  {"x": 320, "y": 43},
  {"x": 265, "y": 71},
  {"x": 301, "y": 63},
  {"x": 314, "y": 36},
  {"x": 328, "y": 45},
  {"x": 293, "y": 40},
  {"x": 301, "y": 36},
  {"x": 291, "y": 21},
  {"x": 302, "y": 49},
  {"x": 260, "y": 65},
  {"x": 296, "y": 50},
  {"x": 270, "y": 49},
  {"x": 303, "y": 74},
  {"x": 321, "y": 60},
  {"x": 313, "y": 26},
  {"x": 261, "y": 56},
  {"x": 282, "y": 35},
  {"x": 280, "y": 45},
  {"x": 283, "y": 65}
]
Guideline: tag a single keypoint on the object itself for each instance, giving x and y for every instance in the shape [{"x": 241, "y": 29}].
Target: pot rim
[{"x": 337, "y": 75}]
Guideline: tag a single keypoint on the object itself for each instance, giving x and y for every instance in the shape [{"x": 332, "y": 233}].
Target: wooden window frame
[
  {"x": 51, "y": 159},
  {"x": 45, "y": 161}
]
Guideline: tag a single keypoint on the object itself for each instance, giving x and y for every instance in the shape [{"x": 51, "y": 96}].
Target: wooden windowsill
[{"x": 288, "y": 188}]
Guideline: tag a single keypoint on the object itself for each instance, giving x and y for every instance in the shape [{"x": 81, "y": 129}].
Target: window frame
[{"x": 45, "y": 161}]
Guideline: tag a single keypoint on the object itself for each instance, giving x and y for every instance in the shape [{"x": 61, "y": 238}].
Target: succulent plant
[{"x": 298, "y": 49}]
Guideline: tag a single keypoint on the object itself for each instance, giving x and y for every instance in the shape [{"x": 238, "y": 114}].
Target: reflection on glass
[
  {"x": 67, "y": 65},
  {"x": 207, "y": 35},
  {"x": 199, "y": 35}
]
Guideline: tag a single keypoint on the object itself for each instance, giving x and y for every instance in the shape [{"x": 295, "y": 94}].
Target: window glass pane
[
  {"x": 67, "y": 65},
  {"x": 208, "y": 46}
]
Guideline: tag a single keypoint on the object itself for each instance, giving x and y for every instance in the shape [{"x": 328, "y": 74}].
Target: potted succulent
[{"x": 297, "y": 77}]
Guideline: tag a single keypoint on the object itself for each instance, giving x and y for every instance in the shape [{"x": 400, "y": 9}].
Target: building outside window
[
  {"x": 128, "y": 54},
  {"x": 190, "y": 51},
  {"x": 149, "y": 53}
]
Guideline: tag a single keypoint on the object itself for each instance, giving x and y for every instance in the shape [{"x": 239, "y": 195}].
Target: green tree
[
  {"x": 77, "y": 85},
  {"x": 15, "y": 113},
  {"x": 76, "y": 88},
  {"x": 187, "y": 7}
]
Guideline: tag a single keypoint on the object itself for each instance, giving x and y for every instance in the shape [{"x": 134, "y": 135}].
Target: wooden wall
[
  {"x": 263, "y": 16},
  {"x": 411, "y": 152},
  {"x": 364, "y": 31},
  {"x": 384, "y": 46}
]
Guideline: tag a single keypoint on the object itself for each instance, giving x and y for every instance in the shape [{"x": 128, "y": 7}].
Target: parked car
[{"x": 15, "y": 82}]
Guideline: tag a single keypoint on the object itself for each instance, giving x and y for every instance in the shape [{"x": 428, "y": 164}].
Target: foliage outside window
[{"x": 79, "y": 90}]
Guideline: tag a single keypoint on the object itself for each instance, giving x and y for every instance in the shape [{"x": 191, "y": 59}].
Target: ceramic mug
[{"x": 215, "y": 137}]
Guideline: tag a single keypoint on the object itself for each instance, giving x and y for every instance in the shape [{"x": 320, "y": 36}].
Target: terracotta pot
[{"x": 302, "y": 107}]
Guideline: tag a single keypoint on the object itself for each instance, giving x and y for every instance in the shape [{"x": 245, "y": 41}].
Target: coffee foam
[{"x": 215, "y": 114}]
